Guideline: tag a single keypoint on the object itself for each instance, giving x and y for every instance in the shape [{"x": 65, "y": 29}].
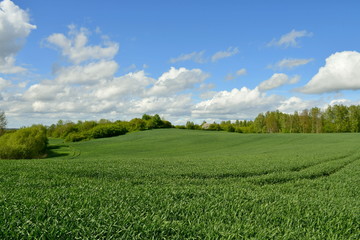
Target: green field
[{"x": 182, "y": 184}]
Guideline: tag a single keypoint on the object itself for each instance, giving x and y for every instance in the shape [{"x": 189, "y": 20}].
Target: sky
[{"x": 184, "y": 60}]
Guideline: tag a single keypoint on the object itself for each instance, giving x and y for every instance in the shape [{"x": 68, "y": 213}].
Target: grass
[{"x": 182, "y": 184}]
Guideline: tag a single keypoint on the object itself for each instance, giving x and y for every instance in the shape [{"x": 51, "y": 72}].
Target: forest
[{"x": 334, "y": 119}]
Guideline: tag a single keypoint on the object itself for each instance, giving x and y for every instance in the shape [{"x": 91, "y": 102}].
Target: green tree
[
  {"x": 316, "y": 120},
  {"x": 354, "y": 118},
  {"x": 3, "y": 123},
  {"x": 342, "y": 123},
  {"x": 272, "y": 122},
  {"x": 305, "y": 122},
  {"x": 259, "y": 123}
]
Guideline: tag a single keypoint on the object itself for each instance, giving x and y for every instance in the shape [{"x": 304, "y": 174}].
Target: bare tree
[{"x": 3, "y": 122}]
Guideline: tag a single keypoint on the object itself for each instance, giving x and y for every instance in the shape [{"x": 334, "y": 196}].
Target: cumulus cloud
[
  {"x": 341, "y": 72},
  {"x": 45, "y": 91},
  {"x": 75, "y": 46},
  {"x": 89, "y": 74},
  {"x": 224, "y": 54},
  {"x": 4, "y": 83},
  {"x": 290, "y": 39},
  {"x": 290, "y": 63},
  {"x": 342, "y": 101},
  {"x": 176, "y": 105},
  {"x": 197, "y": 57},
  {"x": 277, "y": 80},
  {"x": 177, "y": 80},
  {"x": 14, "y": 28},
  {"x": 293, "y": 104},
  {"x": 235, "y": 104},
  {"x": 131, "y": 84}
]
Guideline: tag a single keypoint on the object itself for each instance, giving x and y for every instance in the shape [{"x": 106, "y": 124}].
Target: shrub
[
  {"x": 106, "y": 130},
  {"x": 25, "y": 143},
  {"x": 75, "y": 137}
]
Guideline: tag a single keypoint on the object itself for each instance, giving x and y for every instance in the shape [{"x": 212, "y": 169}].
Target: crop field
[{"x": 183, "y": 184}]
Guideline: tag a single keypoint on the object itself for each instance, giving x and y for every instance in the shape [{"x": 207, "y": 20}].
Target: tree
[{"x": 3, "y": 123}]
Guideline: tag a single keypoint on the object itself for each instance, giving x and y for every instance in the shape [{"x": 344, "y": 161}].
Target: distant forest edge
[
  {"x": 335, "y": 119},
  {"x": 31, "y": 142}
]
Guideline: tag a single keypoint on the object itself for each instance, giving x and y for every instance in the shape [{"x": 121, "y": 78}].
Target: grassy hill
[{"x": 182, "y": 184}]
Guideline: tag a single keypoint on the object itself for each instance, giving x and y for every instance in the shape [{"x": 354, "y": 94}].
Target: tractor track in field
[
  {"x": 300, "y": 168},
  {"x": 278, "y": 177},
  {"x": 284, "y": 177}
]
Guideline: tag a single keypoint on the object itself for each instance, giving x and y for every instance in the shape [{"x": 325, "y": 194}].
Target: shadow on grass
[{"x": 58, "y": 150}]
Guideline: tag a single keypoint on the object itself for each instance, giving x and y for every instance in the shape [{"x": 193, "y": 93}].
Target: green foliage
[
  {"x": 334, "y": 119},
  {"x": 75, "y": 132},
  {"x": 3, "y": 123},
  {"x": 25, "y": 143},
  {"x": 176, "y": 184},
  {"x": 106, "y": 130},
  {"x": 192, "y": 126},
  {"x": 76, "y": 137}
]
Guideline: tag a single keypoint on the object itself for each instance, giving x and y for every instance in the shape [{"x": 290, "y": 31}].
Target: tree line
[
  {"x": 334, "y": 119},
  {"x": 85, "y": 130}
]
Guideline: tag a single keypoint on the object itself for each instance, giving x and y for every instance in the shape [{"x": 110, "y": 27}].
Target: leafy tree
[
  {"x": 305, "y": 122},
  {"x": 259, "y": 123},
  {"x": 3, "y": 123},
  {"x": 354, "y": 118},
  {"x": 316, "y": 120},
  {"x": 146, "y": 117}
]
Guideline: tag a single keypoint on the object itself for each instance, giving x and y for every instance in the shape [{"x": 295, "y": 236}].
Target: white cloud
[
  {"x": 75, "y": 48},
  {"x": 177, "y": 80},
  {"x": 4, "y": 83},
  {"x": 175, "y": 106},
  {"x": 236, "y": 104},
  {"x": 342, "y": 101},
  {"x": 7, "y": 66},
  {"x": 45, "y": 91},
  {"x": 208, "y": 95},
  {"x": 290, "y": 63},
  {"x": 89, "y": 74},
  {"x": 295, "y": 104},
  {"x": 290, "y": 39},
  {"x": 277, "y": 80},
  {"x": 197, "y": 57},
  {"x": 131, "y": 84},
  {"x": 341, "y": 72},
  {"x": 14, "y": 28},
  {"x": 125, "y": 97},
  {"x": 224, "y": 54}
]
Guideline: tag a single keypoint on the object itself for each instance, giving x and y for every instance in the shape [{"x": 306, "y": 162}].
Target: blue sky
[{"x": 185, "y": 60}]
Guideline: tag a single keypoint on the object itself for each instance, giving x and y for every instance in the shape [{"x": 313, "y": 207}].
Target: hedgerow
[{"x": 75, "y": 132}]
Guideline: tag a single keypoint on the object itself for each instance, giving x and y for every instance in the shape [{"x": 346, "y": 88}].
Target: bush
[
  {"x": 25, "y": 143},
  {"x": 106, "y": 130},
  {"x": 75, "y": 137}
]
